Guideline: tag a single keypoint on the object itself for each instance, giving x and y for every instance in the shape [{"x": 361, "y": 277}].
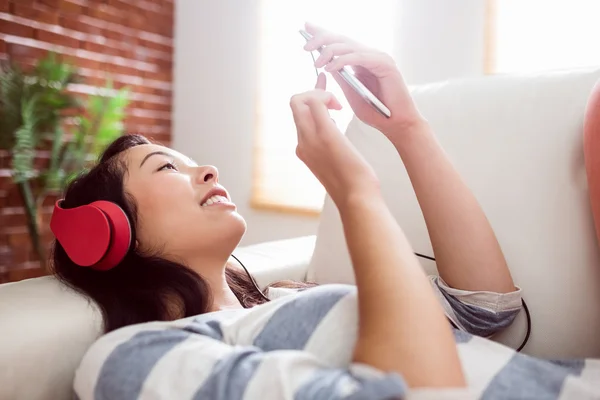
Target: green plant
[{"x": 34, "y": 108}]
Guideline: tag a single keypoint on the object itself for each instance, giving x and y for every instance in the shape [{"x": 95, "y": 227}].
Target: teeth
[{"x": 215, "y": 199}]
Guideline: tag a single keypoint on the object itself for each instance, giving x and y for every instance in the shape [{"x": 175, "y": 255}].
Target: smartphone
[{"x": 355, "y": 84}]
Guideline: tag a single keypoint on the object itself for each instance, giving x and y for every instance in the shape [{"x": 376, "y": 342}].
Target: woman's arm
[
  {"x": 467, "y": 252},
  {"x": 402, "y": 327}
]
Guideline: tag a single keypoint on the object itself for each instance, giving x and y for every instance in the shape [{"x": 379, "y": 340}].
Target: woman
[{"x": 184, "y": 323}]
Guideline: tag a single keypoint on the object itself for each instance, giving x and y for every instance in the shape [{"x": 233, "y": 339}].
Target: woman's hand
[
  {"x": 376, "y": 70},
  {"x": 326, "y": 151}
]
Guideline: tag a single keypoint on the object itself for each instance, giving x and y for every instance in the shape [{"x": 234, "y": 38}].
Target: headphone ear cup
[
  {"x": 120, "y": 238},
  {"x": 97, "y": 235},
  {"x": 84, "y": 232}
]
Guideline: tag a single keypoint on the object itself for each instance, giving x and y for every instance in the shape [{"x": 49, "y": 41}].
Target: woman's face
[{"x": 182, "y": 210}]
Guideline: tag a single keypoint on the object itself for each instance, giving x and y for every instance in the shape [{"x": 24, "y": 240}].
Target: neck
[{"x": 213, "y": 272}]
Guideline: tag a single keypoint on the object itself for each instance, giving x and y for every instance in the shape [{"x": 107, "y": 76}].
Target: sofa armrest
[{"x": 278, "y": 260}]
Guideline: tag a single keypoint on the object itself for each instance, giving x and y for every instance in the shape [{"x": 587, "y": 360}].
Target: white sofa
[{"x": 517, "y": 140}]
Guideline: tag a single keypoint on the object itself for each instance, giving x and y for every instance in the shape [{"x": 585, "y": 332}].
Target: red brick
[
  {"x": 20, "y": 240},
  {"x": 20, "y": 273},
  {"x": 54, "y": 38},
  {"x": 25, "y": 51},
  {"x": 26, "y": 2},
  {"x": 72, "y": 22},
  {"x": 3, "y": 239},
  {"x": 167, "y": 94},
  {"x": 3, "y": 47},
  {"x": 137, "y": 21},
  {"x": 130, "y": 41},
  {"x": 5, "y": 182},
  {"x": 36, "y": 13},
  {"x": 100, "y": 48},
  {"x": 50, "y": 200},
  {"x": 13, "y": 220},
  {"x": 50, "y": 3},
  {"x": 161, "y": 75},
  {"x": 14, "y": 198},
  {"x": 123, "y": 6},
  {"x": 86, "y": 63},
  {"x": 161, "y": 137},
  {"x": 116, "y": 35},
  {"x": 4, "y": 164},
  {"x": 106, "y": 13},
  {"x": 19, "y": 255},
  {"x": 41, "y": 163},
  {"x": 156, "y": 46},
  {"x": 13, "y": 28},
  {"x": 121, "y": 69},
  {"x": 151, "y": 106},
  {"x": 127, "y": 53},
  {"x": 164, "y": 25},
  {"x": 67, "y": 6},
  {"x": 164, "y": 65},
  {"x": 157, "y": 123},
  {"x": 4, "y": 7}
]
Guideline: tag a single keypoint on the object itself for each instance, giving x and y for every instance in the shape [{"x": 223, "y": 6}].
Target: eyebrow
[{"x": 155, "y": 153}]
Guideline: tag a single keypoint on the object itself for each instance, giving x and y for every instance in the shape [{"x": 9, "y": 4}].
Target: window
[
  {"x": 281, "y": 181},
  {"x": 536, "y": 35}
]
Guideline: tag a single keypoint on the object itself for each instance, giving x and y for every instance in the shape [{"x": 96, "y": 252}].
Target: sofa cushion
[
  {"x": 46, "y": 328},
  {"x": 517, "y": 141}
]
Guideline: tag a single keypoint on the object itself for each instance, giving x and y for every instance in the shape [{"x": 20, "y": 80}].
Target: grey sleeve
[{"x": 480, "y": 313}]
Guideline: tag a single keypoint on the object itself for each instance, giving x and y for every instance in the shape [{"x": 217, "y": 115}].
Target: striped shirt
[{"x": 300, "y": 347}]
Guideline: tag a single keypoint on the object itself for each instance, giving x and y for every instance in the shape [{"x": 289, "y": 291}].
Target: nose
[{"x": 208, "y": 173}]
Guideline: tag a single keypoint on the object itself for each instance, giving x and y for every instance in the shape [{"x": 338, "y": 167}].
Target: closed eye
[{"x": 168, "y": 166}]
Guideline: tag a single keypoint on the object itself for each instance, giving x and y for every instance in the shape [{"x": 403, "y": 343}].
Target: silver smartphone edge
[{"x": 357, "y": 85}]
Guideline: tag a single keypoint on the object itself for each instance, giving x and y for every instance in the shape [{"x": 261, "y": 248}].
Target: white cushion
[
  {"x": 278, "y": 260},
  {"x": 517, "y": 141},
  {"x": 46, "y": 328}
]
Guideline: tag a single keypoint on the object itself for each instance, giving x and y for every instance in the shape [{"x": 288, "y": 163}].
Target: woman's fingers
[
  {"x": 302, "y": 117},
  {"x": 376, "y": 63},
  {"x": 313, "y": 29},
  {"x": 310, "y": 111},
  {"x": 322, "y": 37},
  {"x": 319, "y": 111},
  {"x": 333, "y": 50}
]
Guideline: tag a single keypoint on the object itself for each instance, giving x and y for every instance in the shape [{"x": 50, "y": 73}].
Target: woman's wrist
[
  {"x": 359, "y": 199},
  {"x": 405, "y": 138},
  {"x": 403, "y": 135}
]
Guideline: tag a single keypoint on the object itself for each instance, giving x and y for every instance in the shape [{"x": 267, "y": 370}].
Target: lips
[{"x": 215, "y": 195}]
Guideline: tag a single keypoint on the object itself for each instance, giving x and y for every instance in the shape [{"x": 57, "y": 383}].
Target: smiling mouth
[{"x": 215, "y": 200}]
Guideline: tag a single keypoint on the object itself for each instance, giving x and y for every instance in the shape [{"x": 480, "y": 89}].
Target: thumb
[
  {"x": 329, "y": 99},
  {"x": 318, "y": 106},
  {"x": 321, "y": 81}
]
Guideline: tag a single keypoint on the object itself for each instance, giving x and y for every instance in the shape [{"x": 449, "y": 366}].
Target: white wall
[
  {"x": 440, "y": 39},
  {"x": 215, "y": 89}
]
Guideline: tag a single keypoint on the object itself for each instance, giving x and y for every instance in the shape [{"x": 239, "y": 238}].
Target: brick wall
[{"x": 131, "y": 40}]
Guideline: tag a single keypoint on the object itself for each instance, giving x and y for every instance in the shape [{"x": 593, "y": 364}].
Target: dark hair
[{"x": 142, "y": 287}]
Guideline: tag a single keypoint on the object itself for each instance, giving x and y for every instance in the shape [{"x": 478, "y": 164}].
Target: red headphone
[{"x": 97, "y": 235}]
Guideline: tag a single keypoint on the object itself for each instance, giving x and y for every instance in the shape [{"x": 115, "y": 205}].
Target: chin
[
  {"x": 240, "y": 223},
  {"x": 233, "y": 228}
]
